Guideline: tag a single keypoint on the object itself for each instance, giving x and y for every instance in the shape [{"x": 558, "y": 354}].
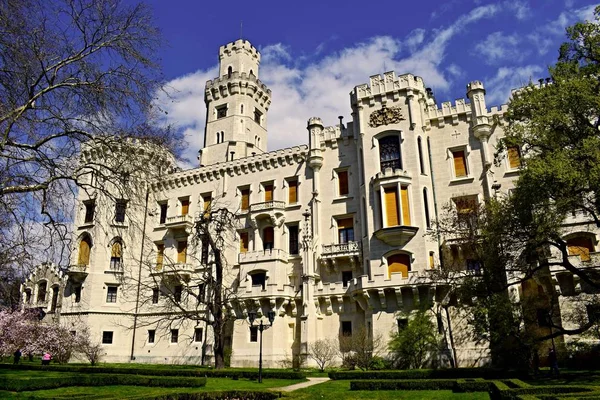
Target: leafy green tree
[{"x": 414, "y": 345}]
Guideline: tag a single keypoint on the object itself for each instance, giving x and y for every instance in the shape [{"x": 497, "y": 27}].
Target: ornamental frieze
[{"x": 385, "y": 116}]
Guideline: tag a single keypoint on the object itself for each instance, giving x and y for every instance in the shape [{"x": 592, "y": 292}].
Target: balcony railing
[
  {"x": 180, "y": 221},
  {"x": 183, "y": 270},
  {"x": 267, "y": 205},
  {"x": 348, "y": 249},
  {"x": 262, "y": 256},
  {"x": 78, "y": 271}
]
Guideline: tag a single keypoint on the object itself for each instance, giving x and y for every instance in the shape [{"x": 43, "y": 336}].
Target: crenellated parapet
[
  {"x": 239, "y": 45},
  {"x": 388, "y": 84},
  {"x": 238, "y": 83},
  {"x": 242, "y": 166}
]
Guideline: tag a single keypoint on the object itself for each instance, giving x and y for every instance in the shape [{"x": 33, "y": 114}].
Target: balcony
[
  {"x": 263, "y": 256},
  {"x": 267, "y": 206},
  {"x": 78, "y": 272},
  {"x": 180, "y": 222},
  {"x": 181, "y": 271},
  {"x": 349, "y": 249},
  {"x": 269, "y": 291},
  {"x": 396, "y": 235}
]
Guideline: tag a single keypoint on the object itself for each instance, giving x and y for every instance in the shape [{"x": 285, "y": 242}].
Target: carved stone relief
[{"x": 385, "y": 116}]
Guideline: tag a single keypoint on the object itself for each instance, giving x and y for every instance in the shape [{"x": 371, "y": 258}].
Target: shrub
[
  {"x": 412, "y": 346},
  {"x": 454, "y": 373},
  {"x": 19, "y": 385},
  {"x": 471, "y": 385},
  {"x": 408, "y": 384},
  {"x": 500, "y": 390},
  {"x": 227, "y": 395}
]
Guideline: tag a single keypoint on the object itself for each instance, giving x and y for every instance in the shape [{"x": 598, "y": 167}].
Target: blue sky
[{"x": 315, "y": 52}]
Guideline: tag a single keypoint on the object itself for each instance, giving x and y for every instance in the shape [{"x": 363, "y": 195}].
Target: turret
[{"x": 236, "y": 103}]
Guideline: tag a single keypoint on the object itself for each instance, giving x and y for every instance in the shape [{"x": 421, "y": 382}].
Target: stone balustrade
[{"x": 263, "y": 256}]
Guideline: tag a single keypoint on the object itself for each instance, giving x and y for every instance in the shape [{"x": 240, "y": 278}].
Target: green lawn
[{"x": 340, "y": 390}]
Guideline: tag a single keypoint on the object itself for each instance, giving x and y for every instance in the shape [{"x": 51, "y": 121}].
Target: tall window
[
  {"x": 116, "y": 255},
  {"x": 466, "y": 209},
  {"x": 90, "y": 208},
  {"x": 257, "y": 116},
  {"x": 182, "y": 251},
  {"x": 185, "y": 206},
  {"x": 389, "y": 152},
  {"x": 245, "y": 193},
  {"x": 431, "y": 259},
  {"x": 177, "y": 292},
  {"x": 426, "y": 208},
  {"x": 243, "y": 242},
  {"x": 268, "y": 191},
  {"x": 160, "y": 255},
  {"x": 77, "y": 293},
  {"x": 197, "y": 334},
  {"x": 268, "y": 238},
  {"x": 163, "y": 213},
  {"x": 229, "y": 71},
  {"x": 514, "y": 157},
  {"x": 580, "y": 246},
  {"x": 398, "y": 263},
  {"x": 155, "y": 295},
  {"x": 204, "y": 251},
  {"x": 346, "y": 328},
  {"x": 151, "y": 335},
  {"x": 120, "y": 207},
  {"x": 405, "y": 206},
  {"x": 206, "y": 202},
  {"x": 345, "y": 230},
  {"x": 460, "y": 163},
  {"x": 254, "y": 334},
  {"x": 293, "y": 239},
  {"x": 42, "y": 288},
  {"x": 346, "y": 277},
  {"x": 28, "y": 296},
  {"x": 85, "y": 246},
  {"x": 54, "y": 301},
  {"x": 391, "y": 206},
  {"x": 421, "y": 161},
  {"x": 111, "y": 294},
  {"x": 174, "y": 335},
  {"x": 292, "y": 191},
  {"x": 343, "y": 188}
]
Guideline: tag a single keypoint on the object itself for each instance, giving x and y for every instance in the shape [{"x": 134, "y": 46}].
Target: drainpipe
[
  {"x": 435, "y": 205},
  {"x": 139, "y": 283}
]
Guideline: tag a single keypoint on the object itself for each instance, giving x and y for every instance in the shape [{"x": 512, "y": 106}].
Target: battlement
[
  {"x": 460, "y": 106},
  {"x": 238, "y": 46},
  {"x": 475, "y": 85},
  {"x": 388, "y": 82},
  {"x": 246, "y": 84},
  {"x": 240, "y": 166}
]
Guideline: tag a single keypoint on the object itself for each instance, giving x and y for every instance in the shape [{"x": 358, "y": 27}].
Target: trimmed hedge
[
  {"x": 502, "y": 391},
  {"x": 453, "y": 373},
  {"x": 226, "y": 395},
  {"x": 471, "y": 385},
  {"x": 19, "y": 385},
  {"x": 406, "y": 384},
  {"x": 191, "y": 371}
]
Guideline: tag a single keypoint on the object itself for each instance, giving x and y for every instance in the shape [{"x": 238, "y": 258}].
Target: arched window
[
  {"x": 398, "y": 263},
  {"x": 116, "y": 255},
  {"x": 581, "y": 246},
  {"x": 421, "y": 161},
  {"x": 218, "y": 137},
  {"x": 41, "y": 292},
  {"x": 242, "y": 109},
  {"x": 222, "y": 136},
  {"x": 85, "y": 247},
  {"x": 229, "y": 71},
  {"x": 389, "y": 152},
  {"x": 251, "y": 72},
  {"x": 54, "y": 301},
  {"x": 426, "y": 208},
  {"x": 268, "y": 238}
]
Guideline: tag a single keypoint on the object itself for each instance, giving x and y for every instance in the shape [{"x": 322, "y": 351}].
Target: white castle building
[{"x": 331, "y": 236}]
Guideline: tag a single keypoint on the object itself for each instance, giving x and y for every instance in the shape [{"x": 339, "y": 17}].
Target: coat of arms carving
[{"x": 385, "y": 116}]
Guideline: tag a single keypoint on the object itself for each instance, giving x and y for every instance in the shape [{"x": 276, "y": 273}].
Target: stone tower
[{"x": 236, "y": 106}]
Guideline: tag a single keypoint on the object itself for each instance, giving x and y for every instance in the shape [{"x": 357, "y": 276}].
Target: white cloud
[
  {"x": 520, "y": 8},
  {"x": 508, "y": 78},
  {"x": 498, "y": 47}
]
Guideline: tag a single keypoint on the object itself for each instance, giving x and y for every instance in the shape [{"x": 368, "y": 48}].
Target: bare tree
[
  {"x": 71, "y": 72},
  {"x": 323, "y": 351},
  {"x": 360, "y": 348}
]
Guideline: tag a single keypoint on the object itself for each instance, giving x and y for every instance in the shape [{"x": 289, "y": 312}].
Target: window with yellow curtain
[
  {"x": 580, "y": 246},
  {"x": 398, "y": 263},
  {"x": 207, "y": 200},
  {"x": 160, "y": 256},
  {"x": 84, "y": 251},
  {"x": 185, "y": 206},
  {"x": 292, "y": 191},
  {"x": 268, "y": 191},
  {"x": 343, "y": 188},
  {"x": 405, "y": 206},
  {"x": 245, "y": 199},
  {"x": 391, "y": 206},
  {"x": 182, "y": 251},
  {"x": 460, "y": 163},
  {"x": 243, "y": 242},
  {"x": 268, "y": 238},
  {"x": 116, "y": 255},
  {"x": 514, "y": 157}
]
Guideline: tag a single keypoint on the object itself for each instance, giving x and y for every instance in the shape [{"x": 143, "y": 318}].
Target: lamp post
[{"x": 261, "y": 327}]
